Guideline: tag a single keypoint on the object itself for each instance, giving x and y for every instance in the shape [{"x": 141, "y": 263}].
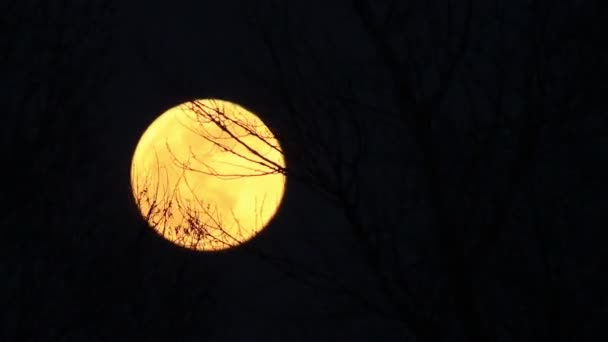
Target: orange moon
[{"x": 208, "y": 175}]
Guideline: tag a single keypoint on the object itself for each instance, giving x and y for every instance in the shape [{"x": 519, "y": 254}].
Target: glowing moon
[{"x": 208, "y": 175}]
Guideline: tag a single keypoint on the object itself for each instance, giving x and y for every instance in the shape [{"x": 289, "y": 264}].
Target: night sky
[{"x": 446, "y": 170}]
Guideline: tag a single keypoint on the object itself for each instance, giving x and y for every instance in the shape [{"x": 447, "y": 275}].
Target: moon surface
[{"x": 208, "y": 175}]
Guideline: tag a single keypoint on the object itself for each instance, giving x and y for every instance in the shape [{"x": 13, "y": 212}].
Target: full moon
[{"x": 208, "y": 175}]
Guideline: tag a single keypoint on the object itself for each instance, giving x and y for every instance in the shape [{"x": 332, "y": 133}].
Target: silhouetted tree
[{"x": 437, "y": 132}]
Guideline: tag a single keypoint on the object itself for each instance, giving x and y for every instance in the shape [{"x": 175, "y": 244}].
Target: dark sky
[{"x": 481, "y": 185}]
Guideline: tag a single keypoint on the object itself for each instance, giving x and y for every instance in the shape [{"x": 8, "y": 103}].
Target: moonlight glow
[{"x": 208, "y": 175}]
